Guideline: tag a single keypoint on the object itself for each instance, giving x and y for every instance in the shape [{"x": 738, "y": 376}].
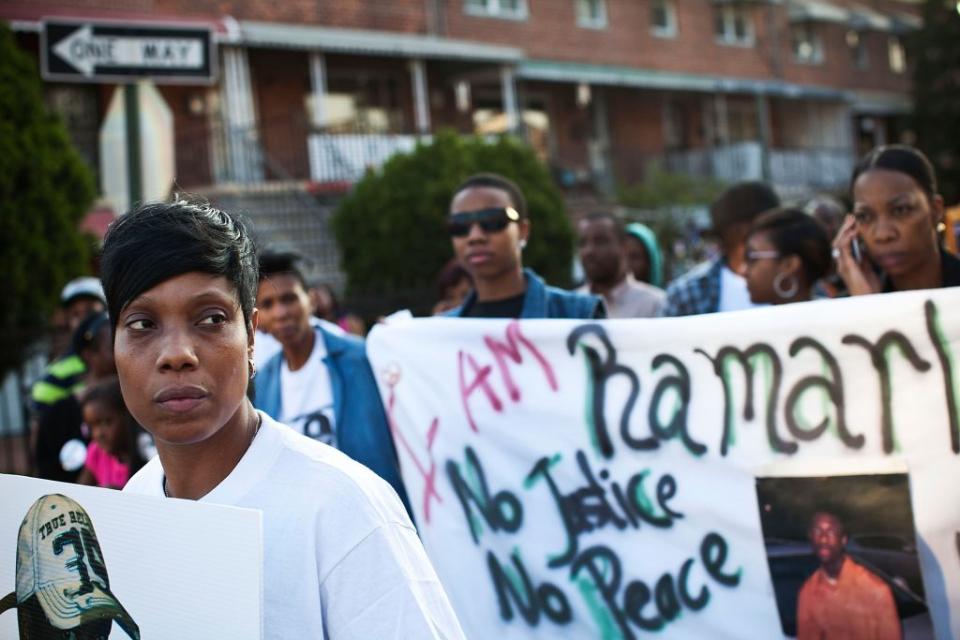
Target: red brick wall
[
  {"x": 387, "y": 15},
  {"x": 636, "y": 130},
  {"x": 281, "y": 83},
  {"x": 550, "y": 32},
  {"x": 192, "y": 140}
]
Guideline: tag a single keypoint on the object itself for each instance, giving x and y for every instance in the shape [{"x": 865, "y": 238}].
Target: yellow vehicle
[{"x": 952, "y": 235}]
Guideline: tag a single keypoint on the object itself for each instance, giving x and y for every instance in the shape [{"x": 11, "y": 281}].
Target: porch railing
[
  {"x": 818, "y": 168},
  {"x": 346, "y": 157},
  {"x": 811, "y": 168}
]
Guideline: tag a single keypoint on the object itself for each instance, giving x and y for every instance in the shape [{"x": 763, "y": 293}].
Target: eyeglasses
[
  {"x": 490, "y": 221},
  {"x": 753, "y": 256}
]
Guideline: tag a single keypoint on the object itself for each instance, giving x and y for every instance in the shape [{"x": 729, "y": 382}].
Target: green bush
[
  {"x": 45, "y": 190},
  {"x": 935, "y": 48},
  {"x": 661, "y": 189},
  {"x": 391, "y": 231}
]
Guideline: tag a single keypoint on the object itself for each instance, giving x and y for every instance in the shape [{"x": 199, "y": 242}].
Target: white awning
[
  {"x": 855, "y": 16},
  {"x": 880, "y": 103},
  {"x": 575, "y": 73},
  {"x": 818, "y": 11},
  {"x": 865, "y": 18},
  {"x": 383, "y": 43},
  {"x": 896, "y": 22}
]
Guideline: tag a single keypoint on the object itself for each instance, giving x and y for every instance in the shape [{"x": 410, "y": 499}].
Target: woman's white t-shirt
[{"x": 341, "y": 557}]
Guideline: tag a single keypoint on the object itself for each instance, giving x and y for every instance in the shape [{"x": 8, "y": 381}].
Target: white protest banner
[
  {"x": 627, "y": 478},
  {"x": 96, "y": 563}
]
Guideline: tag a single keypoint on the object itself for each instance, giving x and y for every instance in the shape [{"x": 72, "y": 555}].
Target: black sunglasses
[{"x": 490, "y": 220}]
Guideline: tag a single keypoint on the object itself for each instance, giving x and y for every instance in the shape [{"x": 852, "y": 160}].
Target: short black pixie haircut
[
  {"x": 159, "y": 241},
  {"x": 273, "y": 263},
  {"x": 496, "y": 181}
]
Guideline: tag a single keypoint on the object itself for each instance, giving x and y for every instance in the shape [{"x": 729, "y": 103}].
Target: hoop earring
[
  {"x": 789, "y": 292},
  {"x": 523, "y": 244},
  {"x": 252, "y": 368}
]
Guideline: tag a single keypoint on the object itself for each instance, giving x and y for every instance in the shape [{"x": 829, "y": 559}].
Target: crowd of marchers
[{"x": 205, "y": 368}]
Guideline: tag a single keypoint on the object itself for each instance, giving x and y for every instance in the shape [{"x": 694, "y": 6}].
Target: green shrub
[
  {"x": 391, "y": 231},
  {"x": 661, "y": 189},
  {"x": 935, "y": 50},
  {"x": 45, "y": 190}
]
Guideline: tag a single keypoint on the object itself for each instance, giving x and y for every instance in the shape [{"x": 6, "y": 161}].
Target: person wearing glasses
[
  {"x": 716, "y": 285},
  {"x": 787, "y": 252},
  {"x": 489, "y": 228}
]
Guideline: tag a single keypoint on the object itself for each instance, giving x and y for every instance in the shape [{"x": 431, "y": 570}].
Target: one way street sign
[{"x": 78, "y": 51}]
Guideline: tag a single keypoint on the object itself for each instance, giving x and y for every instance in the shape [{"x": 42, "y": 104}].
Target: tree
[
  {"x": 391, "y": 232},
  {"x": 936, "y": 87},
  {"x": 45, "y": 190}
]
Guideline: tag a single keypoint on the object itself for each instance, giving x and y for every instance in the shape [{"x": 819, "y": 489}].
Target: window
[
  {"x": 592, "y": 14},
  {"x": 364, "y": 103},
  {"x": 511, "y": 9},
  {"x": 858, "y": 49},
  {"x": 663, "y": 18},
  {"x": 733, "y": 25},
  {"x": 897, "y": 54},
  {"x": 806, "y": 43}
]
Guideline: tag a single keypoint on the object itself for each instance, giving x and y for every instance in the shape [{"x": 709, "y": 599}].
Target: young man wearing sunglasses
[{"x": 489, "y": 228}]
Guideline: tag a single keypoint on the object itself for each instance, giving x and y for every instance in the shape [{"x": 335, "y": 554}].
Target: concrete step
[{"x": 286, "y": 216}]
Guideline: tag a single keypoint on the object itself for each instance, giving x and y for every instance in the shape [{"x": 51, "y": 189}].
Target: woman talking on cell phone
[{"x": 891, "y": 241}]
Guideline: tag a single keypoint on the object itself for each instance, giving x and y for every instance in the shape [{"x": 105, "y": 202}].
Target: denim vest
[
  {"x": 362, "y": 430},
  {"x": 543, "y": 301}
]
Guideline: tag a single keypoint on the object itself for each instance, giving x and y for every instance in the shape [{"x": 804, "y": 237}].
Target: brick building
[{"x": 314, "y": 91}]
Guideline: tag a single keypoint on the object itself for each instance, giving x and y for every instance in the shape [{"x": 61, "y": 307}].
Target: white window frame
[
  {"x": 496, "y": 9},
  {"x": 896, "y": 55},
  {"x": 812, "y": 34},
  {"x": 584, "y": 18},
  {"x": 670, "y": 29},
  {"x": 728, "y": 12}
]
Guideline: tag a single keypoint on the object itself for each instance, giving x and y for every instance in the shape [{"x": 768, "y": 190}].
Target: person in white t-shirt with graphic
[
  {"x": 320, "y": 383},
  {"x": 341, "y": 558}
]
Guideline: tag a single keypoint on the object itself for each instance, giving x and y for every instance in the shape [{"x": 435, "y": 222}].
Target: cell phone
[{"x": 856, "y": 249}]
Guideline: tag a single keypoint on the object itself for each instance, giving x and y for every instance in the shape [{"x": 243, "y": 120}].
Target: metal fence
[{"x": 788, "y": 169}]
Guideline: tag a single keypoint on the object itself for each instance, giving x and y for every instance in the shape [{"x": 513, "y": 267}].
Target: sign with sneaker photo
[{"x": 90, "y": 563}]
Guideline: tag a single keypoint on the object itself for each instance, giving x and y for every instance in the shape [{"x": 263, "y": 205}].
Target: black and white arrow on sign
[{"x": 89, "y": 52}]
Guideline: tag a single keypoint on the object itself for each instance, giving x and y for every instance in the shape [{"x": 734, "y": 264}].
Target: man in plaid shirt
[{"x": 716, "y": 285}]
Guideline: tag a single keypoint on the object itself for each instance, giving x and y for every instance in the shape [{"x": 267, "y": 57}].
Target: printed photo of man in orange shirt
[{"x": 843, "y": 599}]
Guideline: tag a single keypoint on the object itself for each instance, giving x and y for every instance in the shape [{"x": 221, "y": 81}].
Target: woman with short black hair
[
  {"x": 891, "y": 241},
  {"x": 340, "y": 556}
]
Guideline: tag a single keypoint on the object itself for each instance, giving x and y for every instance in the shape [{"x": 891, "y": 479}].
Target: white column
[
  {"x": 318, "y": 89},
  {"x": 709, "y": 126},
  {"x": 763, "y": 129},
  {"x": 245, "y": 163},
  {"x": 421, "y": 106},
  {"x": 600, "y": 158},
  {"x": 723, "y": 122},
  {"x": 508, "y": 83}
]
